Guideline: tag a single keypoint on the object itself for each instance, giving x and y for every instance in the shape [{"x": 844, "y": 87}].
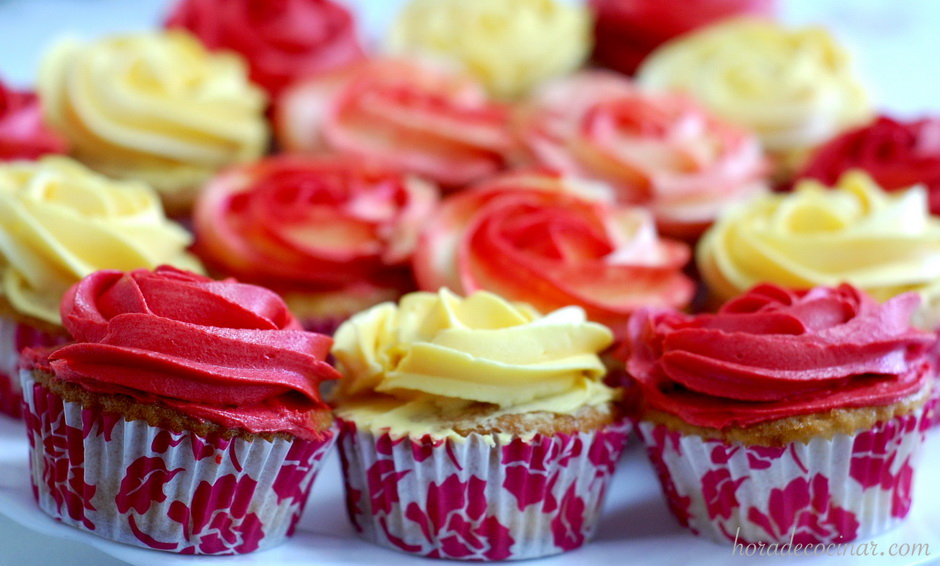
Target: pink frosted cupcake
[
  {"x": 184, "y": 418},
  {"x": 788, "y": 416},
  {"x": 332, "y": 236},
  {"x": 23, "y": 133},
  {"x": 660, "y": 150},
  {"x": 475, "y": 429}
]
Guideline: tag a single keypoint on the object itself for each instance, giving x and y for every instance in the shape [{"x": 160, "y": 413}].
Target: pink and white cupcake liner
[
  {"x": 147, "y": 486},
  {"x": 473, "y": 500},
  {"x": 14, "y": 338},
  {"x": 822, "y": 491}
]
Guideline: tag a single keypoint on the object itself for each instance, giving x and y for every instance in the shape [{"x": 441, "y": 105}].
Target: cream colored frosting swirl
[
  {"x": 157, "y": 107},
  {"x": 884, "y": 243},
  {"x": 509, "y": 45},
  {"x": 438, "y": 353},
  {"x": 60, "y": 221},
  {"x": 795, "y": 88}
]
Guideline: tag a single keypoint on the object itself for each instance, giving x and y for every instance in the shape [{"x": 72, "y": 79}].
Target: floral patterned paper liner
[
  {"x": 825, "y": 491},
  {"x": 472, "y": 501},
  {"x": 146, "y": 486},
  {"x": 14, "y": 338}
]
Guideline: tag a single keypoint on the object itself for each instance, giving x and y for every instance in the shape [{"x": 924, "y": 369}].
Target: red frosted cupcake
[
  {"x": 280, "y": 40},
  {"x": 407, "y": 115},
  {"x": 897, "y": 154},
  {"x": 184, "y": 418},
  {"x": 332, "y": 236},
  {"x": 788, "y": 415},
  {"x": 23, "y": 134},
  {"x": 625, "y": 31},
  {"x": 659, "y": 150},
  {"x": 552, "y": 241}
]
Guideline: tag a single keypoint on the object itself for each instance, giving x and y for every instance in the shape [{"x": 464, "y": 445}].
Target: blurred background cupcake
[
  {"x": 331, "y": 235},
  {"x": 23, "y": 132},
  {"x": 59, "y": 222},
  {"x": 154, "y": 107}
]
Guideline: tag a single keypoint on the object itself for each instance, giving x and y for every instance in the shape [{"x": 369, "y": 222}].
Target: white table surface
[{"x": 897, "y": 49}]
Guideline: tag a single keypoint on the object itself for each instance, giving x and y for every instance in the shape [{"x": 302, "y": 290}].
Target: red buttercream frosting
[
  {"x": 221, "y": 351},
  {"x": 23, "y": 134},
  {"x": 313, "y": 223},
  {"x": 280, "y": 39},
  {"x": 773, "y": 353},
  {"x": 896, "y": 154},
  {"x": 626, "y": 31}
]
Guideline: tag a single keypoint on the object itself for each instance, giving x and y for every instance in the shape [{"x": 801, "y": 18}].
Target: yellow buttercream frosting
[
  {"x": 509, "y": 45},
  {"x": 795, "y": 88},
  {"x": 60, "y": 221},
  {"x": 156, "y": 107},
  {"x": 885, "y": 243},
  {"x": 410, "y": 368}
]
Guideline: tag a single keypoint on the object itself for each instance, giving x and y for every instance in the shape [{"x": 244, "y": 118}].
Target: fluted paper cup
[
  {"x": 479, "y": 500},
  {"x": 147, "y": 486},
  {"x": 822, "y": 491}
]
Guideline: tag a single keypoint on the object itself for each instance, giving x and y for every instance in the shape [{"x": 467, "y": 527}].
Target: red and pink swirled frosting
[
  {"x": 773, "y": 353},
  {"x": 222, "y": 351}
]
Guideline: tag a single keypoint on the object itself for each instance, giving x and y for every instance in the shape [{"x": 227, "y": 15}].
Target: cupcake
[
  {"x": 185, "y": 417},
  {"x": 419, "y": 118},
  {"x": 61, "y": 222},
  {"x": 896, "y": 153},
  {"x": 510, "y": 46},
  {"x": 23, "y": 134},
  {"x": 473, "y": 428},
  {"x": 854, "y": 232},
  {"x": 281, "y": 41},
  {"x": 331, "y": 235},
  {"x": 789, "y": 417},
  {"x": 154, "y": 107},
  {"x": 552, "y": 240},
  {"x": 626, "y": 31},
  {"x": 659, "y": 150},
  {"x": 795, "y": 88}
]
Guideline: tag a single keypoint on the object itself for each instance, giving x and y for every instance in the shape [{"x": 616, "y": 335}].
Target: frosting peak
[
  {"x": 223, "y": 351},
  {"x": 775, "y": 353}
]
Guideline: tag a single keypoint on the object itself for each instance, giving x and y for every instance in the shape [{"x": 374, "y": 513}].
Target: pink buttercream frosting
[
  {"x": 773, "y": 353},
  {"x": 222, "y": 351}
]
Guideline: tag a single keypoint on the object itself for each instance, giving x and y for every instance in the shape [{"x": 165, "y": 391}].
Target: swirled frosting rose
[
  {"x": 315, "y": 223},
  {"x": 509, "y": 45},
  {"x": 280, "y": 40},
  {"x": 897, "y": 154},
  {"x": 794, "y": 88},
  {"x": 626, "y": 31},
  {"x": 663, "y": 151},
  {"x": 222, "y": 351},
  {"x": 23, "y": 134},
  {"x": 59, "y": 222},
  {"x": 773, "y": 353},
  {"x": 441, "y": 352},
  {"x": 155, "y": 107},
  {"x": 552, "y": 241},
  {"x": 883, "y": 243},
  {"x": 406, "y": 115}
]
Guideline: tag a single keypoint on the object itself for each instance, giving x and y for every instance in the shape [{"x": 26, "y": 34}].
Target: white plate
[{"x": 635, "y": 525}]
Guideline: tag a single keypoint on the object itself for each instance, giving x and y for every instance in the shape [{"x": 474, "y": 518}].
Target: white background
[{"x": 896, "y": 44}]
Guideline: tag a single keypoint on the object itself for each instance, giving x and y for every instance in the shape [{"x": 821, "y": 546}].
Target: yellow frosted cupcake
[
  {"x": 156, "y": 107},
  {"x": 508, "y": 45},
  {"x": 59, "y": 222},
  {"x": 855, "y": 232},
  {"x": 479, "y": 409},
  {"x": 795, "y": 88}
]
